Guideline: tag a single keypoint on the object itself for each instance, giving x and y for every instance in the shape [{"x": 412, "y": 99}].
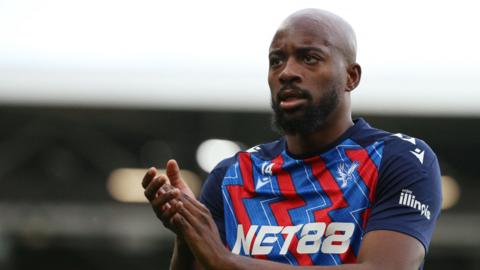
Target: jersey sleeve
[
  {"x": 408, "y": 197},
  {"x": 211, "y": 195}
]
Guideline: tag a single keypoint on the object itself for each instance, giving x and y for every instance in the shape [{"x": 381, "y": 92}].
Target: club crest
[{"x": 346, "y": 173}]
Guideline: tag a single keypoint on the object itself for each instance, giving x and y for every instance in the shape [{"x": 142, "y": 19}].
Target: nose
[{"x": 290, "y": 72}]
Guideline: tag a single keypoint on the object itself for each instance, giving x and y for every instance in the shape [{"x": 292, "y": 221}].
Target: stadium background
[{"x": 94, "y": 92}]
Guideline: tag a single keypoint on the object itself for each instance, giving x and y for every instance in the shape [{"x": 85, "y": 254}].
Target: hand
[
  {"x": 163, "y": 194},
  {"x": 171, "y": 186},
  {"x": 195, "y": 223},
  {"x": 174, "y": 178},
  {"x": 160, "y": 194}
]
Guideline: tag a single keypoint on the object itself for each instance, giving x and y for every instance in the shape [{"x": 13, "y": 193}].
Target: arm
[{"x": 380, "y": 249}]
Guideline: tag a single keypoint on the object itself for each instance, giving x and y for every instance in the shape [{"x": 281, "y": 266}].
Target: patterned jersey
[{"x": 316, "y": 209}]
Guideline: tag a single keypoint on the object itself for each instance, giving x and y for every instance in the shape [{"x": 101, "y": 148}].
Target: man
[{"x": 332, "y": 192}]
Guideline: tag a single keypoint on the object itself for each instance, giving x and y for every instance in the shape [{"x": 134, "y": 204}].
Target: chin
[
  {"x": 304, "y": 120},
  {"x": 295, "y": 113}
]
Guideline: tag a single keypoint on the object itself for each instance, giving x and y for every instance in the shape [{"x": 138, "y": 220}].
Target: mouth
[{"x": 291, "y": 99}]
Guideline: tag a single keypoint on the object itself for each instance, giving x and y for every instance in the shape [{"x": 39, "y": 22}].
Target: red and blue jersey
[{"x": 315, "y": 209}]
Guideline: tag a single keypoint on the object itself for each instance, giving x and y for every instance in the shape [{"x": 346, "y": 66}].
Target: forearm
[{"x": 182, "y": 257}]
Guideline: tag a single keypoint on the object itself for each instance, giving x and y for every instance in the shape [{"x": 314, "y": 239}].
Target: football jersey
[{"x": 315, "y": 209}]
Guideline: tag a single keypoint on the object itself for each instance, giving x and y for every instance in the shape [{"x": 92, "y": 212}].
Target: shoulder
[
  {"x": 403, "y": 149},
  {"x": 265, "y": 151},
  {"x": 408, "y": 164},
  {"x": 401, "y": 159},
  {"x": 211, "y": 194},
  {"x": 395, "y": 146}
]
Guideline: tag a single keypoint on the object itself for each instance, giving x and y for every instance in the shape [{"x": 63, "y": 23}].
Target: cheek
[
  {"x": 332, "y": 79},
  {"x": 272, "y": 83}
]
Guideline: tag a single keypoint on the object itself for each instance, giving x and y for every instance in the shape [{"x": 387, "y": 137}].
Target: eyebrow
[
  {"x": 309, "y": 48},
  {"x": 274, "y": 51},
  {"x": 301, "y": 50}
]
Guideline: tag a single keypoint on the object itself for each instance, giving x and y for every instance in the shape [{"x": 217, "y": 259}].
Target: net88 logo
[{"x": 260, "y": 240}]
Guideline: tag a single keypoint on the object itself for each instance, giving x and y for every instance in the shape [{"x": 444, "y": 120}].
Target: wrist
[
  {"x": 182, "y": 257},
  {"x": 182, "y": 247},
  {"x": 180, "y": 242},
  {"x": 227, "y": 260}
]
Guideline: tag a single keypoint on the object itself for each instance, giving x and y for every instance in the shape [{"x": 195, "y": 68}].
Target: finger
[
  {"x": 182, "y": 210},
  {"x": 152, "y": 188},
  {"x": 149, "y": 175},
  {"x": 192, "y": 202},
  {"x": 166, "y": 187},
  {"x": 168, "y": 214},
  {"x": 182, "y": 224},
  {"x": 162, "y": 199},
  {"x": 173, "y": 173}
]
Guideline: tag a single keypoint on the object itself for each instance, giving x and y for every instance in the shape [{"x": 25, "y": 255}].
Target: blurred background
[{"x": 94, "y": 92}]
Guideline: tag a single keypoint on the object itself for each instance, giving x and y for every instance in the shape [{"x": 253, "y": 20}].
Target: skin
[{"x": 312, "y": 50}]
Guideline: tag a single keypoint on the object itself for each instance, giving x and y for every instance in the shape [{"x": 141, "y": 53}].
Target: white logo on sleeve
[
  {"x": 266, "y": 173},
  {"x": 418, "y": 154},
  {"x": 408, "y": 199},
  {"x": 254, "y": 149},
  {"x": 405, "y": 138}
]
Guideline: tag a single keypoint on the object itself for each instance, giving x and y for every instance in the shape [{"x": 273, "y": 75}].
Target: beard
[{"x": 312, "y": 119}]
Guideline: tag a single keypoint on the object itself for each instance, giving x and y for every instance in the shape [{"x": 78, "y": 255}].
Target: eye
[
  {"x": 310, "y": 60},
  {"x": 275, "y": 61}
]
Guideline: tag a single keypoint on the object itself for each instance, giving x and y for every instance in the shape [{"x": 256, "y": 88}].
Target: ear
[{"x": 354, "y": 74}]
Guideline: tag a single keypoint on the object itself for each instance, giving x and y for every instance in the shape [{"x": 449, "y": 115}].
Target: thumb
[{"x": 173, "y": 173}]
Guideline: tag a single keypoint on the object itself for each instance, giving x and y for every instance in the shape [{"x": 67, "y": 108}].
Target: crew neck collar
[{"x": 358, "y": 124}]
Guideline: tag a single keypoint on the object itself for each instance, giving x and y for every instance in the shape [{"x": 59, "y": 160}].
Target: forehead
[{"x": 303, "y": 33}]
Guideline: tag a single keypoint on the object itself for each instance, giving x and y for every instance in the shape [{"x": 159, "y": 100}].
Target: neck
[{"x": 334, "y": 127}]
